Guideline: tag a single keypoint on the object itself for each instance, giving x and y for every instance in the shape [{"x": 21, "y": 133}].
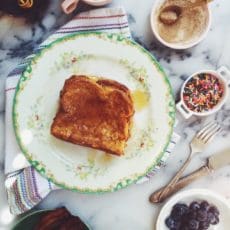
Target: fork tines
[{"x": 209, "y": 131}]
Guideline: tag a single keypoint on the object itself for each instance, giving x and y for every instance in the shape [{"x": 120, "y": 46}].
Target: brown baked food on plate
[{"x": 94, "y": 112}]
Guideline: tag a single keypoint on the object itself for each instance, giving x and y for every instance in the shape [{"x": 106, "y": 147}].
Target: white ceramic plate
[
  {"x": 36, "y": 101},
  {"x": 187, "y": 197}
]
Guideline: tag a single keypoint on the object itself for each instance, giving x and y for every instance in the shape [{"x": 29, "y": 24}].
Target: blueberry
[
  {"x": 202, "y": 215},
  {"x": 179, "y": 210},
  {"x": 204, "y": 226},
  {"x": 217, "y": 220},
  {"x": 172, "y": 223},
  {"x": 184, "y": 228},
  {"x": 211, "y": 218},
  {"x": 193, "y": 224},
  {"x": 214, "y": 210},
  {"x": 179, "y": 205},
  {"x": 194, "y": 206},
  {"x": 192, "y": 214},
  {"x": 204, "y": 205},
  {"x": 169, "y": 222}
]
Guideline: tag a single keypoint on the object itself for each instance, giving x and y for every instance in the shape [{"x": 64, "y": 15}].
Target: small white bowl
[
  {"x": 97, "y": 2},
  {"x": 178, "y": 46},
  {"x": 223, "y": 74},
  {"x": 68, "y": 6},
  {"x": 187, "y": 197}
]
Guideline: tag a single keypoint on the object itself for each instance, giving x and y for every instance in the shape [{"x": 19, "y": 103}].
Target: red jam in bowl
[{"x": 203, "y": 92}]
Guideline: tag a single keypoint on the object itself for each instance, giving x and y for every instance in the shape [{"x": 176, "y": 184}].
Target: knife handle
[{"x": 156, "y": 198}]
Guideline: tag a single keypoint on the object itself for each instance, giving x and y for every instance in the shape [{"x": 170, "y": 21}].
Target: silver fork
[{"x": 197, "y": 145}]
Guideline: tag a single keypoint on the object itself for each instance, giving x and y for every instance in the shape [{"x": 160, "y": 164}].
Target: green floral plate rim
[{"x": 124, "y": 182}]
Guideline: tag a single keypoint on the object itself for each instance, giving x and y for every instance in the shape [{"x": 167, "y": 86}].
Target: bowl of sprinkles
[{"x": 204, "y": 92}]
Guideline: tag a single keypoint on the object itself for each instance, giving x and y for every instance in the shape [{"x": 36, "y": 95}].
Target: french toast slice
[{"x": 94, "y": 112}]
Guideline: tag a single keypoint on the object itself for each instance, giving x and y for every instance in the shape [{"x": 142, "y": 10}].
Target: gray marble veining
[{"x": 129, "y": 208}]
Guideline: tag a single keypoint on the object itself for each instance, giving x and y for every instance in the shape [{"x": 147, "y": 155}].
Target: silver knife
[{"x": 214, "y": 162}]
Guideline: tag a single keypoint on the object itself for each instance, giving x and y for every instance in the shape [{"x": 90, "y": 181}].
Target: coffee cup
[{"x": 183, "y": 44}]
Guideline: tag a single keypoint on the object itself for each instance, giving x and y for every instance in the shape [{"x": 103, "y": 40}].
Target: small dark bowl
[{"x": 29, "y": 221}]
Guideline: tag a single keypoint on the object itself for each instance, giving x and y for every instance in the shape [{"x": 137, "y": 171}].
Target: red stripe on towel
[
  {"x": 99, "y": 25},
  {"x": 94, "y": 17}
]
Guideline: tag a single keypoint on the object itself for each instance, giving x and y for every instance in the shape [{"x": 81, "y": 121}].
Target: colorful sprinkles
[{"x": 202, "y": 92}]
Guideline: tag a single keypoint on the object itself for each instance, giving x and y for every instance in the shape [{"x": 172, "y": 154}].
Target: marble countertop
[{"x": 129, "y": 208}]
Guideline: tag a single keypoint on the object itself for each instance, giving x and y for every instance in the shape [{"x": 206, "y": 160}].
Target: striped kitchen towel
[{"x": 25, "y": 187}]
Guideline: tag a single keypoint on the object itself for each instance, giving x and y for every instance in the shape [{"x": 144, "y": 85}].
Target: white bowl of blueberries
[{"x": 195, "y": 209}]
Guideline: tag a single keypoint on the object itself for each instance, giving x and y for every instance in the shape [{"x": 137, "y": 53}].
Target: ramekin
[{"x": 223, "y": 75}]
